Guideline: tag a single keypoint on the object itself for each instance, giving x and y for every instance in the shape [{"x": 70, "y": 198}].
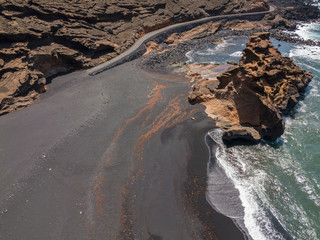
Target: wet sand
[{"x": 114, "y": 156}]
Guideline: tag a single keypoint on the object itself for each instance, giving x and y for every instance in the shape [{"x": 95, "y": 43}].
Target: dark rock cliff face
[
  {"x": 256, "y": 92},
  {"x": 40, "y": 38}
]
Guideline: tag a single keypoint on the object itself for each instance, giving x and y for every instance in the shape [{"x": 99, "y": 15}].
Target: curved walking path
[{"x": 138, "y": 45}]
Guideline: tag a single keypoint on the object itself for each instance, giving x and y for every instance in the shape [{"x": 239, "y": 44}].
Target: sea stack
[{"x": 252, "y": 96}]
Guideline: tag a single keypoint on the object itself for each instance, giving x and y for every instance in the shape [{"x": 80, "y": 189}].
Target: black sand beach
[{"x": 114, "y": 156}]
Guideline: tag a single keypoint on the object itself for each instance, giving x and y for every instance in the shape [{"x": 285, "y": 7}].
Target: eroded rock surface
[
  {"x": 297, "y": 9},
  {"x": 252, "y": 95},
  {"x": 40, "y": 38},
  {"x": 195, "y": 33}
]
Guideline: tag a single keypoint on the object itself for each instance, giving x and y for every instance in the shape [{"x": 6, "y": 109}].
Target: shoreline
[
  {"x": 224, "y": 226},
  {"x": 214, "y": 223},
  {"x": 178, "y": 55},
  {"x": 70, "y": 187},
  {"x": 19, "y": 101}
]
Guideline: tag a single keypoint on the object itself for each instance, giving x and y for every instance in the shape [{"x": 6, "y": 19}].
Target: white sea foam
[
  {"x": 213, "y": 50},
  {"x": 309, "y": 67},
  {"x": 309, "y": 31},
  {"x": 288, "y": 120},
  {"x": 303, "y": 107},
  {"x": 290, "y": 166},
  {"x": 306, "y": 52},
  {"x": 243, "y": 167},
  {"x": 257, "y": 223},
  {"x": 236, "y": 54},
  {"x": 207, "y": 52},
  {"x": 314, "y": 92},
  {"x": 222, "y": 46},
  {"x": 189, "y": 55},
  {"x": 278, "y": 179}
]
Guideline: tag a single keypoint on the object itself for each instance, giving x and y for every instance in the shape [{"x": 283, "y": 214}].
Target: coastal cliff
[
  {"x": 249, "y": 99},
  {"x": 40, "y": 39}
]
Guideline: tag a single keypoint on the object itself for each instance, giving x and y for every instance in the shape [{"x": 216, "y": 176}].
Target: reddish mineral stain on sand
[
  {"x": 155, "y": 96},
  {"x": 173, "y": 113},
  {"x": 170, "y": 116}
]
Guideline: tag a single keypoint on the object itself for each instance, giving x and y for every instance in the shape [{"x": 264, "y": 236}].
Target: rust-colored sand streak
[
  {"x": 96, "y": 190},
  {"x": 99, "y": 196},
  {"x": 155, "y": 95},
  {"x": 173, "y": 114},
  {"x": 172, "y": 110}
]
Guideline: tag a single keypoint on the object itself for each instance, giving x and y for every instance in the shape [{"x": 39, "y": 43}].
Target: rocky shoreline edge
[
  {"x": 259, "y": 49},
  {"x": 162, "y": 59},
  {"x": 27, "y": 68},
  {"x": 249, "y": 99},
  {"x": 41, "y": 39},
  {"x": 264, "y": 85}
]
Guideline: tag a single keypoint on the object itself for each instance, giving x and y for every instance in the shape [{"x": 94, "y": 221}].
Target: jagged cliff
[
  {"x": 250, "y": 97},
  {"x": 40, "y": 38}
]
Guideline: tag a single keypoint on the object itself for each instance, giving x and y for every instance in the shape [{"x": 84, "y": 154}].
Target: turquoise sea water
[{"x": 278, "y": 183}]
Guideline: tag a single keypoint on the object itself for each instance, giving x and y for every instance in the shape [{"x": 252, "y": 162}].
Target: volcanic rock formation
[
  {"x": 252, "y": 96},
  {"x": 41, "y": 38}
]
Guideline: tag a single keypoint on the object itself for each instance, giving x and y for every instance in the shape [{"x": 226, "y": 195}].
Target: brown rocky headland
[
  {"x": 249, "y": 99},
  {"x": 40, "y": 39}
]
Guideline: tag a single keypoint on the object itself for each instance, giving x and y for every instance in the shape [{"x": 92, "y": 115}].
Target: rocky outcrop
[
  {"x": 198, "y": 32},
  {"x": 24, "y": 72},
  {"x": 276, "y": 21},
  {"x": 211, "y": 28},
  {"x": 49, "y": 37},
  {"x": 252, "y": 96},
  {"x": 150, "y": 47},
  {"x": 297, "y": 9}
]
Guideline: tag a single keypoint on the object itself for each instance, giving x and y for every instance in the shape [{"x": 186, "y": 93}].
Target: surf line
[{"x": 138, "y": 48}]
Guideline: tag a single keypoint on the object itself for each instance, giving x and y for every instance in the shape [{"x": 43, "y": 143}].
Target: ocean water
[
  {"x": 316, "y": 3},
  {"x": 278, "y": 183}
]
